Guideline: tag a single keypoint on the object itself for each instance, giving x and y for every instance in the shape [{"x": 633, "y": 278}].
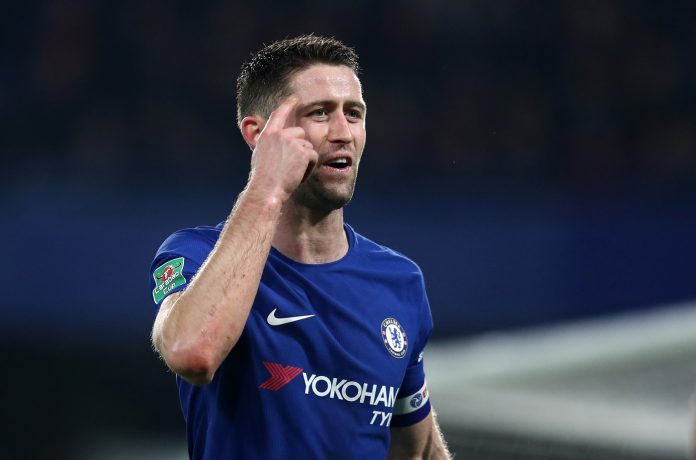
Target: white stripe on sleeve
[{"x": 413, "y": 402}]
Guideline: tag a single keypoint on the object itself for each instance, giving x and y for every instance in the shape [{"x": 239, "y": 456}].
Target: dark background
[{"x": 537, "y": 159}]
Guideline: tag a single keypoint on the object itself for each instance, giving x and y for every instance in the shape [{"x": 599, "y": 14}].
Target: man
[{"x": 292, "y": 336}]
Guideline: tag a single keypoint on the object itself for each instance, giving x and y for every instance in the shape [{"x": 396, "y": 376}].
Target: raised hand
[{"x": 283, "y": 157}]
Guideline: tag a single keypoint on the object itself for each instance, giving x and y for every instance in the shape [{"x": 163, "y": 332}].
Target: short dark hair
[{"x": 264, "y": 79}]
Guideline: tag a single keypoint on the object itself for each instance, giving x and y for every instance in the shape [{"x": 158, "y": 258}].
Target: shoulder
[
  {"x": 392, "y": 267},
  {"x": 381, "y": 254},
  {"x": 193, "y": 243},
  {"x": 202, "y": 235}
]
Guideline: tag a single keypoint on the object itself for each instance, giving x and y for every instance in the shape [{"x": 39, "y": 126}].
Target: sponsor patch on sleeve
[{"x": 168, "y": 276}]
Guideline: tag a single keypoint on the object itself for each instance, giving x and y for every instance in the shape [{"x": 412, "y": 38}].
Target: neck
[{"x": 310, "y": 237}]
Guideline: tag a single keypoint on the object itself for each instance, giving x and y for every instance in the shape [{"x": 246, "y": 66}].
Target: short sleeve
[
  {"x": 177, "y": 260},
  {"x": 412, "y": 402}
]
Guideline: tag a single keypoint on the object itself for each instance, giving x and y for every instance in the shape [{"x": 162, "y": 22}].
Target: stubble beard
[{"x": 313, "y": 194}]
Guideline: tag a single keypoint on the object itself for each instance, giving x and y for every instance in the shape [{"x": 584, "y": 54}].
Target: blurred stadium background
[{"x": 537, "y": 159}]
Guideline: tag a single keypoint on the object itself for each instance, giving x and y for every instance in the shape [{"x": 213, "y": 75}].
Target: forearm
[
  {"x": 197, "y": 331},
  {"x": 437, "y": 449},
  {"x": 423, "y": 440}
]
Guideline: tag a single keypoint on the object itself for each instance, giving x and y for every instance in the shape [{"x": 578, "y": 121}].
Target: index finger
[{"x": 280, "y": 115}]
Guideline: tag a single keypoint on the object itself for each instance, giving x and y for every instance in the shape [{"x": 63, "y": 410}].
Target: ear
[{"x": 251, "y": 128}]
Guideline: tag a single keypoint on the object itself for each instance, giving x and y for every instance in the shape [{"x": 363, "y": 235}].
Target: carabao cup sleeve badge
[
  {"x": 168, "y": 276},
  {"x": 394, "y": 337}
]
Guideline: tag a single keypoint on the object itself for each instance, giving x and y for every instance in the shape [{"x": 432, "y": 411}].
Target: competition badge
[{"x": 168, "y": 276}]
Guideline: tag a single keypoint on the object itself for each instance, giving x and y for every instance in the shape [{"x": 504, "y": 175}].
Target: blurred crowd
[{"x": 591, "y": 94}]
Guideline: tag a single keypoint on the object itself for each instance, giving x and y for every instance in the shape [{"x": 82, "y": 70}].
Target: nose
[{"x": 339, "y": 129}]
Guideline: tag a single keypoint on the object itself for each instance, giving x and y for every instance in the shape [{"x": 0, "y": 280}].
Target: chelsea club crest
[{"x": 394, "y": 338}]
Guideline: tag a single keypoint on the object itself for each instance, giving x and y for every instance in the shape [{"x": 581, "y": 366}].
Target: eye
[
  {"x": 319, "y": 113},
  {"x": 354, "y": 114}
]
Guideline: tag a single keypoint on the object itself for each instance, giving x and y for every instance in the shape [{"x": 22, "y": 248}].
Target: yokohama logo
[
  {"x": 280, "y": 375},
  {"x": 322, "y": 386}
]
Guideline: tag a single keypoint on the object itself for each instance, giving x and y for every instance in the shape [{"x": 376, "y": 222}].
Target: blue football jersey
[{"x": 330, "y": 357}]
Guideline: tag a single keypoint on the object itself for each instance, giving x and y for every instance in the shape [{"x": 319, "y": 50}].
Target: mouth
[{"x": 339, "y": 162}]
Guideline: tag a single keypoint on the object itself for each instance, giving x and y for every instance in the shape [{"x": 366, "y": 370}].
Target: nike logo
[{"x": 273, "y": 320}]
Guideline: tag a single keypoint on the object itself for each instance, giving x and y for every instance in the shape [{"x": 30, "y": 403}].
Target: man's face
[{"x": 331, "y": 111}]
